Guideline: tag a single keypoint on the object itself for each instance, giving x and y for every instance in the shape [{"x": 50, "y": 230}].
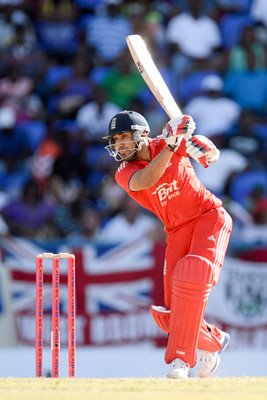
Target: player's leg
[
  {"x": 214, "y": 227},
  {"x": 177, "y": 248},
  {"x": 210, "y": 336},
  {"x": 192, "y": 280},
  {"x": 210, "y": 239}
]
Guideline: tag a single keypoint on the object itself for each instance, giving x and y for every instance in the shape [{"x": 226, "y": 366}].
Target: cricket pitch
[{"x": 238, "y": 388}]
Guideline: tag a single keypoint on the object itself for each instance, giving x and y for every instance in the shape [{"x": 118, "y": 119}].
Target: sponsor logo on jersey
[{"x": 167, "y": 191}]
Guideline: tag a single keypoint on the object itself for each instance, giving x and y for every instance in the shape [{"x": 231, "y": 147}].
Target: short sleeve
[{"x": 124, "y": 174}]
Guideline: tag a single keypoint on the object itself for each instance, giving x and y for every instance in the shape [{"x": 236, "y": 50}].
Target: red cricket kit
[
  {"x": 193, "y": 217},
  {"x": 195, "y": 221}
]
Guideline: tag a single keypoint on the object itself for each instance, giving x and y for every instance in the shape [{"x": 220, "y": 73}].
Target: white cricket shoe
[
  {"x": 209, "y": 362},
  {"x": 178, "y": 369}
]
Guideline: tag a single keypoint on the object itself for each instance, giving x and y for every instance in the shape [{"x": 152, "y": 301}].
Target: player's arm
[
  {"x": 173, "y": 132},
  {"x": 148, "y": 176}
]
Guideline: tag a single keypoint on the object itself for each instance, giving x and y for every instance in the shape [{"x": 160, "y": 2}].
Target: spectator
[
  {"x": 248, "y": 88},
  {"x": 114, "y": 28},
  {"x": 14, "y": 173},
  {"x": 242, "y": 139},
  {"x": 44, "y": 157},
  {"x": 260, "y": 212},
  {"x": 123, "y": 82},
  {"x": 252, "y": 239},
  {"x": 74, "y": 91},
  {"x": 13, "y": 143},
  {"x": 249, "y": 46},
  {"x": 147, "y": 20},
  {"x": 258, "y": 11},
  {"x": 57, "y": 28},
  {"x": 257, "y": 205},
  {"x": 24, "y": 51},
  {"x": 16, "y": 92},
  {"x": 216, "y": 178},
  {"x": 89, "y": 223},
  {"x": 108, "y": 196},
  {"x": 193, "y": 38},
  {"x": 15, "y": 86},
  {"x": 29, "y": 216},
  {"x": 193, "y": 33},
  {"x": 67, "y": 218},
  {"x": 57, "y": 10},
  {"x": 69, "y": 168},
  {"x": 70, "y": 215},
  {"x": 213, "y": 112},
  {"x": 7, "y": 31},
  {"x": 131, "y": 223},
  {"x": 93, "y": 117},
  {"x": 88, "y": 226}
]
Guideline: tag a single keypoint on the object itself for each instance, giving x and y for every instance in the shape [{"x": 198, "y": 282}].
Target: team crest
[{"x": 113, "y": 123}]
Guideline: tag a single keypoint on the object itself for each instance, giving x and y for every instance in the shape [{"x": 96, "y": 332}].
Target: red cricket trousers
[{"x": 206, "y": 236}]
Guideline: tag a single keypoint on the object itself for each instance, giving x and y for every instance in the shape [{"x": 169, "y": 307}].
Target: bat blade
[{"x": 151, "y": 75}]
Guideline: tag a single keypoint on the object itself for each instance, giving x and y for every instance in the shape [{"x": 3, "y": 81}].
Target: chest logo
[{"x": 167, "y": 191}]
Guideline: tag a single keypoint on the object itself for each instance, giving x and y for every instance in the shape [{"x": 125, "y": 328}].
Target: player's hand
[
  {"x": 202, "y": 150},
  {"x": 176, "y": 129}
]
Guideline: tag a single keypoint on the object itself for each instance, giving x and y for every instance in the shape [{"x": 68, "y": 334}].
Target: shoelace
[
  {"x": 206, "y": 356},
  {"x": 180, "y": 364}
]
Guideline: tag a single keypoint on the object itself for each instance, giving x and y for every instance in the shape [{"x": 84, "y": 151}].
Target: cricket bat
[{"x": 151, "y": 75}]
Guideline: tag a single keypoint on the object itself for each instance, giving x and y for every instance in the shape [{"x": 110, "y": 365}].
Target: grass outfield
[{"x": 243, "y": 388}]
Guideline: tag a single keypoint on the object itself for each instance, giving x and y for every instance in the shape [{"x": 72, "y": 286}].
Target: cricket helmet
[{"x": 126, "y": 121}]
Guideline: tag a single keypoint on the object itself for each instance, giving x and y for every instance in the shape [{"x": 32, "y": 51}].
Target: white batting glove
[
  {"x": 177, "y": 128},
  {"x": 202, "y": 150}
]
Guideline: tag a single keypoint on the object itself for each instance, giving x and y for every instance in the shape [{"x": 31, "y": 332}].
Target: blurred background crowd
[{"x": 65, "y": 71}]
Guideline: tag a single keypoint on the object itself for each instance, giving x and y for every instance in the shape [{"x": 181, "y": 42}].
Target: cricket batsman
[{"x": 157, "y": 173}]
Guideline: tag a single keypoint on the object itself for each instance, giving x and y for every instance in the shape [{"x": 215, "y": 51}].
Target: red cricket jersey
[{"x": 178, "y": 197}]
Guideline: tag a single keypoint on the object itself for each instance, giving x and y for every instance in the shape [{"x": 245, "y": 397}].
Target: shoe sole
[{"x": 176, "y": 376}]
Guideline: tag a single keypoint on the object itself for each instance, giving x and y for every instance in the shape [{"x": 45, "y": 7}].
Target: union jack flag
[{"x": 115, "y": 284}]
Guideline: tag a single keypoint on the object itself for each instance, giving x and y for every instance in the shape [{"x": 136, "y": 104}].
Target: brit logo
[{"x": 167, "y": 191}]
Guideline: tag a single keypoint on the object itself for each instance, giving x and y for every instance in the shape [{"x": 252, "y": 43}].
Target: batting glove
[
  {"x": 177, "y": 129},
  {"x": 202, "y": 150}
]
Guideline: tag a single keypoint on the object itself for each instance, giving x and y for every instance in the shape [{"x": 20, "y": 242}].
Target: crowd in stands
[{"x": 65, "y": 70}]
